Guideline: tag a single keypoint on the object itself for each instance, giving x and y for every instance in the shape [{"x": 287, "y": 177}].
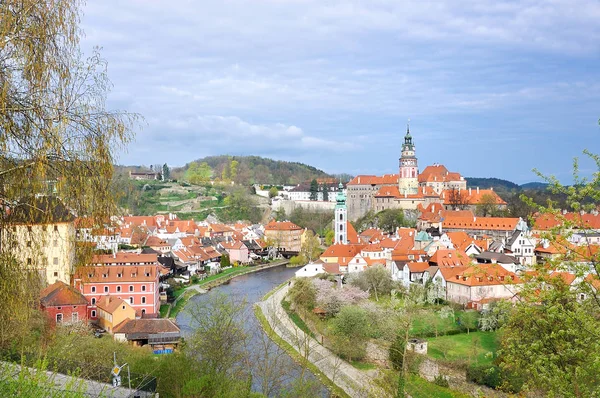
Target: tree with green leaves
[
  {"x": 351, "y": 330},
  {"x": 198, "y": 173},
  {"x": 325, "y": 190},
  {"x": 58, "y": 142},
  {"x": 311, "y": 247},
  {"x": 273, "y": 191},
  {"x": 166, "y": 172},
  {"x": 469, "y": 320},
  {"x": 376, "y": 280},
  {"x": 314, "y": 190},
  {"x": 552, "y": 333}
]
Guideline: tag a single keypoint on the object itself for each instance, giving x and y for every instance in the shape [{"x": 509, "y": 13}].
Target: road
[{"x": 353, "y": 381}]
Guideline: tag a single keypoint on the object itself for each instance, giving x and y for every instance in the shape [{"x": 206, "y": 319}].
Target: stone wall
[{"x": 290, "y": 205}]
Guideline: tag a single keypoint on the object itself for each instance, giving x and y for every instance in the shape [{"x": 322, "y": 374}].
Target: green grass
[
  {"x": 336, "y": 391},
  {"x": 427, "y": 320},
  {"x": 227, "y": 273},
  {"x": 362, "y": 365},
  {"x": 164, "y": 309},
  {"x": 417, "y": 387},
  {"x": 474, "y": 347},
  {"x": 296, "y": 318}
]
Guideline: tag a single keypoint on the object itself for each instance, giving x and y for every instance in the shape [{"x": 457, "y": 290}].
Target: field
[
  {"x": 428, "y": 322},
  {"x": 475, "y": 347}
]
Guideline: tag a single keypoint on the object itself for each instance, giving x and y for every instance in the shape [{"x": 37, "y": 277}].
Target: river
[{"x": 266, "y": 357}]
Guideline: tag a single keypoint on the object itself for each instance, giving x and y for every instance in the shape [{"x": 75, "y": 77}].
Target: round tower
[
  {"x": 408, "y": 183},
  {"x": 341, "y": 217}
]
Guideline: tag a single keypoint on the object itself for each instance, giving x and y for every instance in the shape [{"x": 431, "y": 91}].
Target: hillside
[
  {"x": 486, "y": 183},
  {"x": 255, "y": 170}
]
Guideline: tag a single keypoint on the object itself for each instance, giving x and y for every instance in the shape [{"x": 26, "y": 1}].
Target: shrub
[
  {"x": 441, "y": 381},
  {"x": 396, "y": 352},
  {"x": 303, "y": 293}
]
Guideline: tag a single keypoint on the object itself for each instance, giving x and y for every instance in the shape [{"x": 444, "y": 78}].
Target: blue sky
[{"x": 493, "y": 89}]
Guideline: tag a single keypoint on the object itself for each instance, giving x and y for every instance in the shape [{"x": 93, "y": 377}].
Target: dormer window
[
  {"x": 147, "y": 273},
  {"x": 90, "y": 275},
  {"x": 105, "y": 275},
  {"x": 119, "y": 275}
]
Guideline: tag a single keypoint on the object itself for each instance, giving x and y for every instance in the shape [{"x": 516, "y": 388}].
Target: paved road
[{"x": 353, "y": 381}]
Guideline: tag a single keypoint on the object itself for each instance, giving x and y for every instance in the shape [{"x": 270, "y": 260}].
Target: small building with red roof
[{"x": 63, "y": 304}]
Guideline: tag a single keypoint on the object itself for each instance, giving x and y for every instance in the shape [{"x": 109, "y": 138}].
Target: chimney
[
  {"x": 491, "y": 188},
  {"x": 477, "y": 189},
  {"x": 359, "y": 180},
  {"x": 469, "y": 191},
  {"x": 405, "y": 195}
]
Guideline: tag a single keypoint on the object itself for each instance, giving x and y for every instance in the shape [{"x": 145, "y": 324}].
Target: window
[
  {"x": 119, "y": 275},
  {"x": 143, "y": 312},
  {"x": 143, "y": 288},
  {"x": 55, "y": 242},
  {"x": 105, "y": 289},
  {"x": 147, "y": 274},
  {"x": 131, "y": 300},
  {"x": 55, "y": 261},
  {"x": 93, "y": 300},
  {"x": 56, "y": 228},
  {"x": 93, "y": 313},
  {"x": 59, "y": 318},
  {"x": 74, "y": 317},
  {"x": 28, "y": 243},
  {"x": 29, "y": 261},
  {"x": 118, "y": 288},
  {"x": 56, "y": 273},
  {"x": 130, "y": 288},
  {"x": 93, "y": 289},
  {"x": 143, "y": 300}
]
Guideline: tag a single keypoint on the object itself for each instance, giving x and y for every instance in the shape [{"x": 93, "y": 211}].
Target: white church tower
[
  {"x": 408, "y": 183},
  {"x": 341, "y": 217}
]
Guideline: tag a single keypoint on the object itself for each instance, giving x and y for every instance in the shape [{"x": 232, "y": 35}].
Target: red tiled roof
[
  {"x": 110, "y": 273},
  {"x": 387, "y": 179},
  {"x": 417, "y": 266},
  {"x": 471, "y": 196},
  {"x": 110, "y": 303},
  {"x": 484, "y": 275},
  {"x": 351, "y": 234},
  {"x": 59, "y": 294},
  {"x": 281, "y": 226},
  {"x": 547, "y": 221},
  {"x": 450, "y": 258},
  {"x": 123, "y": 257},
  {"x": 483, "y": 223}
]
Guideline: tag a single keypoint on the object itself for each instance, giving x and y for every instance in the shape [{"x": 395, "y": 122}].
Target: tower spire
[{"x": 408, "y": 127}]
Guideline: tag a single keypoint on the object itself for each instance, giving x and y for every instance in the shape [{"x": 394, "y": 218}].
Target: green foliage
[
  {"x": 239, "y": 205},
  {"x": 254, "y": 169},
  {"x": 325, "y": 190},
  {"x": 225, "y": 262},
  {"x": 387, "y": 220},
  {"x": 469, "y": 320},
  {"x": 198, "y": 173},
  {"x": 314, "y": 190},
  {"x": 166, "y": 172},
  {"x": 317, "y": 221},
  {"x": 441, "y": 380},
  {"x": 476, "y": 347},
  {"x": 396, "y": 351},
  {"x": 297, "y": 261},
  {"x": 273, "y": 192},
  {"x": 311, "y": 247},
  {"x": 303, "y": 293},
  {"x": 350, "y": 329},
  {"x": 376, "y": 280},
  {"x": 329, "y": 237},
  {"x": 494, "y": 377}
]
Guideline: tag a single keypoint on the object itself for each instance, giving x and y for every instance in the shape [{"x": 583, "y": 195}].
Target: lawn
[
  {"x": 296, "y": 318},
  {"x": 164, "y": 308},
  {"x": 417, "y": 387},
  {"x": 475, "y": 347},
  {"x": 426, "y": 322},
  {"x": 363, "y": 365}
]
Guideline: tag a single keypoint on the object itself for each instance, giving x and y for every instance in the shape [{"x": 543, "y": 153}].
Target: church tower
[
  {"x": 408, "y": 183},
  {"x": 340, "y": 221}
]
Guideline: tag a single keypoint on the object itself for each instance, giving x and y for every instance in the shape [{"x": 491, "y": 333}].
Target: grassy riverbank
[{"x": 335, "y": 390}]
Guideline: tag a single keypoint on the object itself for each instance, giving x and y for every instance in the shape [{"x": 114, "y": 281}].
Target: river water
[{"x": 272, "y": 369}]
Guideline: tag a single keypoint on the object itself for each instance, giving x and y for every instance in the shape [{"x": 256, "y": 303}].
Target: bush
[
  {"x": 195, "y": 279},
  {"x": 396, "y": 352},
  {"x": 303, "y": 293},
  {"x": 495, "y": 377},
  {"x": 441, "y": 381}
]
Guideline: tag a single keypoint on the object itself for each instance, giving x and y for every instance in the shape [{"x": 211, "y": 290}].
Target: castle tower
[
  {"x": 340, "y": 221},
  {"x": 408, "y": 183}
]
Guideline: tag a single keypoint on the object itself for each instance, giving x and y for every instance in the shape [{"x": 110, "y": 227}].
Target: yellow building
[
  {"x": 41, "y": 236},
  {"x": 112, "y": 311}
]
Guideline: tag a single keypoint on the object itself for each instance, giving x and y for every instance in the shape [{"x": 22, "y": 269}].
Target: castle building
[{"x": 411, "y": 190}]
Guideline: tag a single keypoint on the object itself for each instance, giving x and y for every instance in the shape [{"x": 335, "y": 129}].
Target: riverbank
[
  {"x": 212, "y": 281},
  {"x": 342, "y": 378}
]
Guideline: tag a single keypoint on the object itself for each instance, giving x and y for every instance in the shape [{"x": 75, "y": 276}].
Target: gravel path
[{"x": 353, "y": 381}]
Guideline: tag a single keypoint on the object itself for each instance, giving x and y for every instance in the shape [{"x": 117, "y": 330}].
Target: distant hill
[
  {"x": 534, "y": 185},
  {"x": 496, "y": 183},
  {"x": 258, "y": 170}
]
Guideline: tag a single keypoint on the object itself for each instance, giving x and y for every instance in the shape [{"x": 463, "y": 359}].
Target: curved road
[{"x": 353, "y": 381}]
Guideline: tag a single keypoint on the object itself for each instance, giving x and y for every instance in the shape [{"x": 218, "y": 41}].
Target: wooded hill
[{"x": 246, "y": 170}]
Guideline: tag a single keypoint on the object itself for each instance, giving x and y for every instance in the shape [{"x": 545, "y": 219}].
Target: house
[
  {"x": 160, "y": 245},
  {"x": 310, "y": 270},
  {"x": 499, "y": 227},
  {"x": 284, "y": 235},
  {"x": 63, "y": 304},
  {"x": 522, "y": 246},
  {"x": 138, "y": 284},
  {"x": 162, "y": 335},
  {"x": 340, "y": 254},
  {"x": 40, "y": 233},
  {"x": 237, "y": 251},
  {"x": 112, "y": 311},
  {"x": 415, "y": 272},
  {"x": 507, "y": 262},
  {"x": 475, "y": 285}
]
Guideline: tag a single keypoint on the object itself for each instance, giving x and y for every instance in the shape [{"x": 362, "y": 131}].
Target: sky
[{"x": 491, "y": 88}]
